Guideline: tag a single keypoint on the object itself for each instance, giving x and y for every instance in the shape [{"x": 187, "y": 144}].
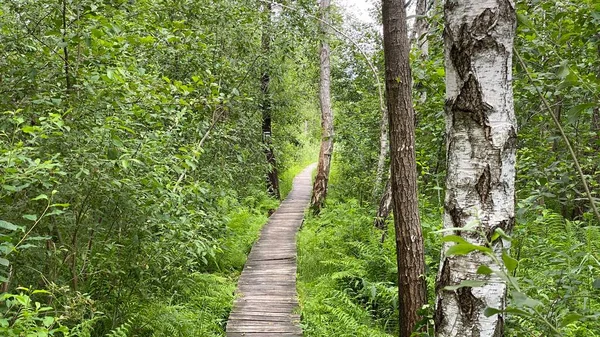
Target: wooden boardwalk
[{"x": 267, "y": 298}]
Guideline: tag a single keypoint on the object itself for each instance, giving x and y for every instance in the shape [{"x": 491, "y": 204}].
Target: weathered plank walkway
[{"x": 267, "y": 287}]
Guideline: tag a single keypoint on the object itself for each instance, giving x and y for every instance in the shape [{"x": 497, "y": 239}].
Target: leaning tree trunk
[
  {"x": 409, "y": 238},
  {"x": 322, "y": 177},
  {"x": 481, "y": 142},
  {"x": 272, "y": 177},
  {"x": 385, "y": 204}
]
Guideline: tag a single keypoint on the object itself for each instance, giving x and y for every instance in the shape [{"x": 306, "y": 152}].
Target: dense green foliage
[
  {"x": 347, "y": 276},
  {"x": 131, "y": 159},
  {"x": 132, "y": 167}
]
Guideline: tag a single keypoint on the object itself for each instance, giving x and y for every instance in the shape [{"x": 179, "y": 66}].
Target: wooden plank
[{"x": 266, "y": 299}]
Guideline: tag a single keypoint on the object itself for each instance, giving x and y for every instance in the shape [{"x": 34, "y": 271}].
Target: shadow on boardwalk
[{"x": 267, "y": 296}]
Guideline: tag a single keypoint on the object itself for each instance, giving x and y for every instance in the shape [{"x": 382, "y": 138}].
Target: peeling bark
[
  {"x": 322, "y": 178},
  {"x": 481, "y": 146},
  {"x": 409, "y": 238}
]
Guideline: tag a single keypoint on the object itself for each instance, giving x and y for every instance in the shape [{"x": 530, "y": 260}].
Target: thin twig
[{"x": 563, "y": 135}]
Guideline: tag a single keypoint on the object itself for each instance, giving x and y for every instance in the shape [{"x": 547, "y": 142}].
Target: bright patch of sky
[{"x": 361, "y": 9}]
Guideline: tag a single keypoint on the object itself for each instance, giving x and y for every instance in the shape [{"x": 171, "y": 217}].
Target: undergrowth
[
  {"x": 559, "y": 266},
  {"x": 199, "y": 304},
  {"x": 346, "y": 276},
  {"x": 178, "y": 302}
]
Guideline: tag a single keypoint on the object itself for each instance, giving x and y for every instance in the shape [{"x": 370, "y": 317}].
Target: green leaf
[
  {"x": 10, "y": 188},
  {"x": 466, "y": 248},
  {"x": 9, "y": 226},
  {"x": 520, "y": 299},
  {"x": 522, "y": 19},
  {"x": 48, "y": 321},
  {"x": 499, "y": 233},
  {"x": 510, "y": 263},
  {"x": 466, "y": 283},
  {"x": 40, "y": 197},
  {"x": 38, "y": 238},
  {"x": 518, "y": 312},
  {"x": 491, "y": 311},
  {"x": 31, "y": 217},
  {"x": 454, "y": 238},
  {"x": 596, "y": 283},
  {"x": 581, "y": 107},
  {"x": 4, "y": 262},
  {"x": 563, "y": 70},
  {"x": 484, "y": 270},
  {"x": 570, "y": 318}
]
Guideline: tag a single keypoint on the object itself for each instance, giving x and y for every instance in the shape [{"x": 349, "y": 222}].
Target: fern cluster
[
  {"x": 558, "y": 265},
  {"x": 346, "y": 276}
]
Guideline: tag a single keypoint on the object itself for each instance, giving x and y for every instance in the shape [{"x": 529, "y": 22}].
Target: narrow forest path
[{"x": 267, "y": 295}]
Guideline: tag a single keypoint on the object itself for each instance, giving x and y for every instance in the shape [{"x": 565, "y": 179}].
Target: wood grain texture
[{"x": 267, "y": 302}]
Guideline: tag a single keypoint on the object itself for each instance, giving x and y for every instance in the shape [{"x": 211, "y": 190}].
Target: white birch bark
[
  {"x": 327, "y": 134},
  {"x": 481, "y": 142}
]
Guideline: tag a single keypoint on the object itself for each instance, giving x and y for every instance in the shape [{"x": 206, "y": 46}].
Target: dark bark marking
[
  {"x": 461, "y": 60},
  {"x": 456, "y": 214},
  {"x": 483, "y": 185},
  {"x": 438, "y": 316},
  {"x": 444, "y": 277},
  {"x": 499, "y": 330},
  {"x": 469, "y": 306},
  {"x": 511, "y": 142},
  {"x": 484, "y": 22},
  {"x": 450, "y": 5},
  {"x": 470, "y": 101}
]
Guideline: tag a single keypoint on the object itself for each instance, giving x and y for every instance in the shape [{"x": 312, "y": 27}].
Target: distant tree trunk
[
  {"x": 385, "y": 207},
  {"x": 385, "y": 203},
  {"x": 272, "y": 177},
  {"x": 322, "y": 178},
  {"x": 384, "y": 149},
  {"x": 481, "y": 146},
  {"x": 409, "y": 238},
  {"x": 421, "y": 28}
]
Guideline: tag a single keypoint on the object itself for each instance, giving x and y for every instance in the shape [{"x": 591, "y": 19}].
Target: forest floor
[{"x": 266, "y": 302}]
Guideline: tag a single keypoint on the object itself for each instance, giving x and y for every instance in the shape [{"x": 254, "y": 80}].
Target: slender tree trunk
[
  {"x": 385, "y": 203},
  {"x": 272, "y": 177},
  {"x": 66, "y": 65},
  {"x": 481, "y": 144},
  {"x": 409, "y": 238},
  {"x": 384, "y": 149},
  {"x": 385, "y": 207},
  {"x": 322, "y": 177},
  {"x": 421, "y": 28}
]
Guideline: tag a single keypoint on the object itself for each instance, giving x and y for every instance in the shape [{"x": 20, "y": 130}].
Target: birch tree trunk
[
  {"x": 272, "y": 176},
  {"x": 409, "y": 238},
  {"x": 384, "y": 149},
  {"x": 481, "y": 142},
  {"x": 322, "y": 177}
]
